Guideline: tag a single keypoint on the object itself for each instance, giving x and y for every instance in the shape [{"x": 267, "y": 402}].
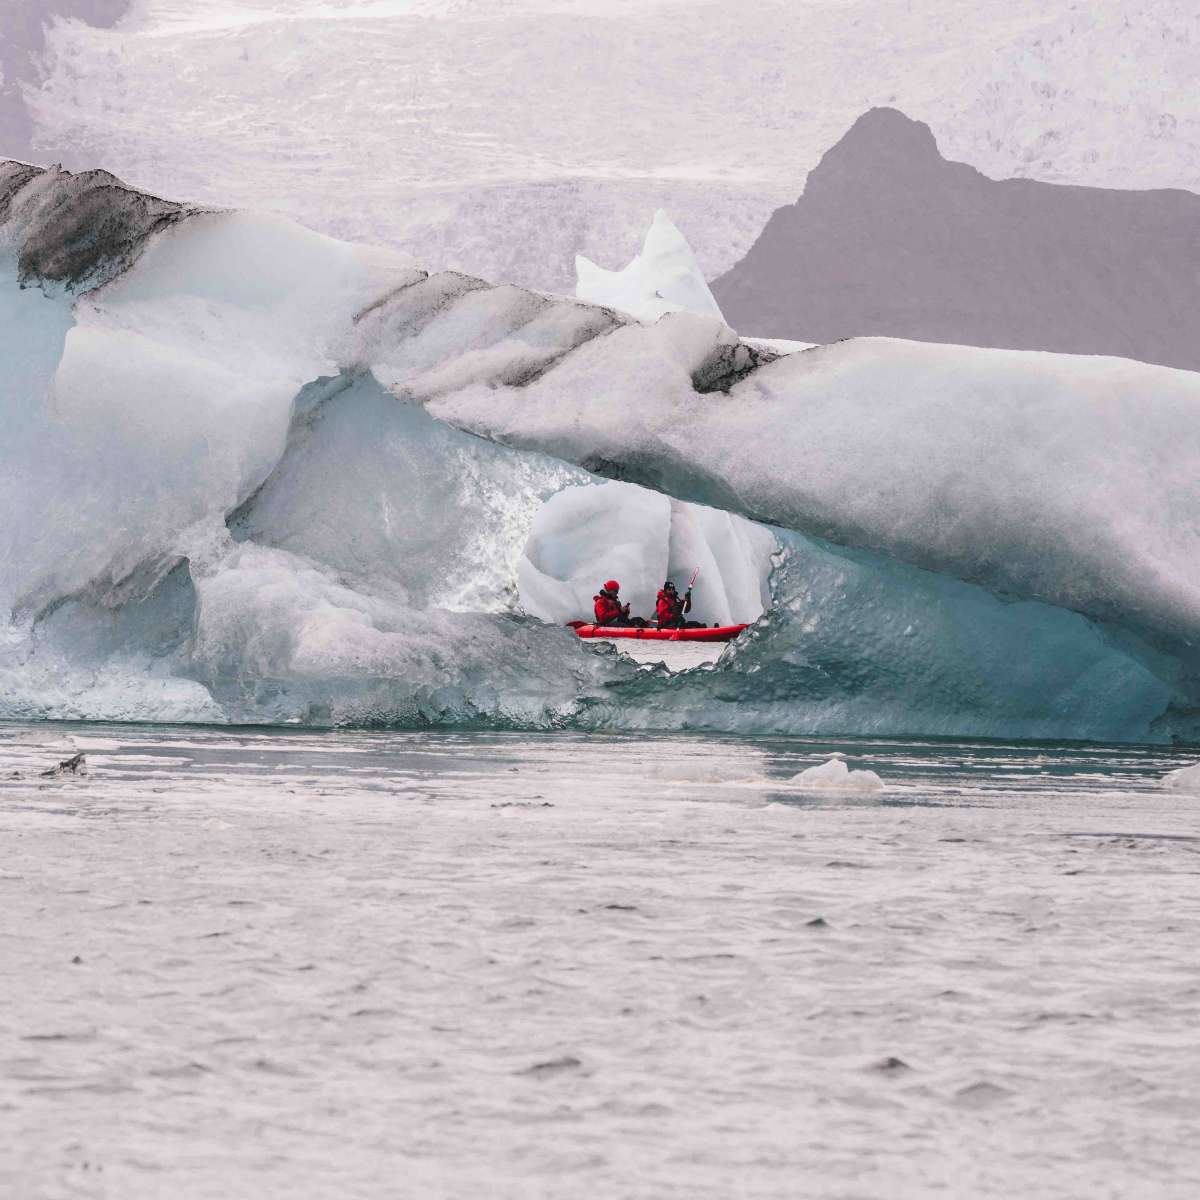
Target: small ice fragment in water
[
  {"x": 982, "y": 1094},
  {"x": 75, "y": 765},
  {"x": 835, "y": 776},
  {"x": 555, "y": 1066},
  {"x": 1186, "y": 779}
]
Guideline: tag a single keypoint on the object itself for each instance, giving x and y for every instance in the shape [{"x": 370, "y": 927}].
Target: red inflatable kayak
[{"x": 719, "y": 633}]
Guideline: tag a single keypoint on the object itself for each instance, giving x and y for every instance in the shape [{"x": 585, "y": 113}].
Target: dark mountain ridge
[{"x": 891, "y": 238}]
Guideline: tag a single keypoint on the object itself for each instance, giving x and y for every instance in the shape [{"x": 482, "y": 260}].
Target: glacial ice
[
  {"x": 254, "y": 474},
  {"x": 663, "y": 278}
]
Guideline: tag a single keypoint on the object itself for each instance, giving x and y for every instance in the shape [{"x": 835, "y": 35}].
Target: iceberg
[
  {"x": 254, "y": 474},
  {"x": 664, "y": 278}
]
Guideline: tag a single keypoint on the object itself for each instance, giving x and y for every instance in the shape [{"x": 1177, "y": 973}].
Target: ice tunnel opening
[{"x": 592, "y": 531}]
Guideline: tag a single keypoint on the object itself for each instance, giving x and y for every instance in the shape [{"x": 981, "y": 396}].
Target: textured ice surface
[
  {"x": 281, "y": 965},
  {"x": 398, "y": 502},
  {"x": 585, "y": 534},
  {"x": 258, "y": 474},
  {"x": 663, "y": 278}
]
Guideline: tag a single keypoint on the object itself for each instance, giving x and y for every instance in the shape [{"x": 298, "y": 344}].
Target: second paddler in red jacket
[{"x": 670, "y": 607}]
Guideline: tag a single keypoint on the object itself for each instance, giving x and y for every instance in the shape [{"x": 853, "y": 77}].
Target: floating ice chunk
[
  {"x": 664, "y": 278},
  {"x": 835, "y": 776},
  {"x": 1186, "y": 779}
]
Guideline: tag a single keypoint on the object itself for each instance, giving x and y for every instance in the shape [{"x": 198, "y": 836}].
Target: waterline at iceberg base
[{"x": 255, "y": 475}]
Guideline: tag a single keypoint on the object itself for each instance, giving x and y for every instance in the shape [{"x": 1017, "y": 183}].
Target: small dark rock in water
[
  {"x": 891, "y": 1065},
  {"x": 76, "y": 960},
  {"x": 622, "y": 907},
  {"x": 817, "y": 923},
  {"x": 75, "y": 765}
]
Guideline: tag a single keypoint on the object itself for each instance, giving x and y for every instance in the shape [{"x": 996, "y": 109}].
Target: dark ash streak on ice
[{"x": 78, "y": 230}]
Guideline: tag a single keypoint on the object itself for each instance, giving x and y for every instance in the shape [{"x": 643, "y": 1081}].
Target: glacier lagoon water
[{"x": 292, "y": 963}]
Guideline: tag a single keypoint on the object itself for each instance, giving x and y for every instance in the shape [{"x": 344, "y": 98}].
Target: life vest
[
  {"x": 668, "y": 607},
  {"x": 608, "y": 609}
]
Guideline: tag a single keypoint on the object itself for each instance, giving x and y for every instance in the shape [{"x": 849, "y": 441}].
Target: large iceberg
[{"x": 254, "y": 474}]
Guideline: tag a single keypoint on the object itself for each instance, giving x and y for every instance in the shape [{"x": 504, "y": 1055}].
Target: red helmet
[{"x": 612, "y": 586}]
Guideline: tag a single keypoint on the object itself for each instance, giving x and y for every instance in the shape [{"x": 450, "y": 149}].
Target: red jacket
[
  {"x": 608, "y": 610},
  {"x": 669, "y": 608}
]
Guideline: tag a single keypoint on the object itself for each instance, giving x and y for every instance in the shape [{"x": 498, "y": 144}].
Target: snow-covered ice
[{"x": 1051, "y": 476}]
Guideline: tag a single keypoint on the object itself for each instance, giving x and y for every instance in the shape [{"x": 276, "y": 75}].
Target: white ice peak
[{"x": 664, "y": 278}]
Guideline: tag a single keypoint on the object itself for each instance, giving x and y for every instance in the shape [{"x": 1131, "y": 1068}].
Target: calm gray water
[{"x": 284, "y": 964}]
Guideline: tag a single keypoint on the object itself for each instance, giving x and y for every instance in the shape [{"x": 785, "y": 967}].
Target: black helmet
[{"x": 668, "y": 586}]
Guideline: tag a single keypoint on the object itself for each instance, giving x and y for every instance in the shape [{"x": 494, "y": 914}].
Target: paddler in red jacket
[
  {"x": 609, "y": 609},
  {"x": 670, "y": 607}
]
